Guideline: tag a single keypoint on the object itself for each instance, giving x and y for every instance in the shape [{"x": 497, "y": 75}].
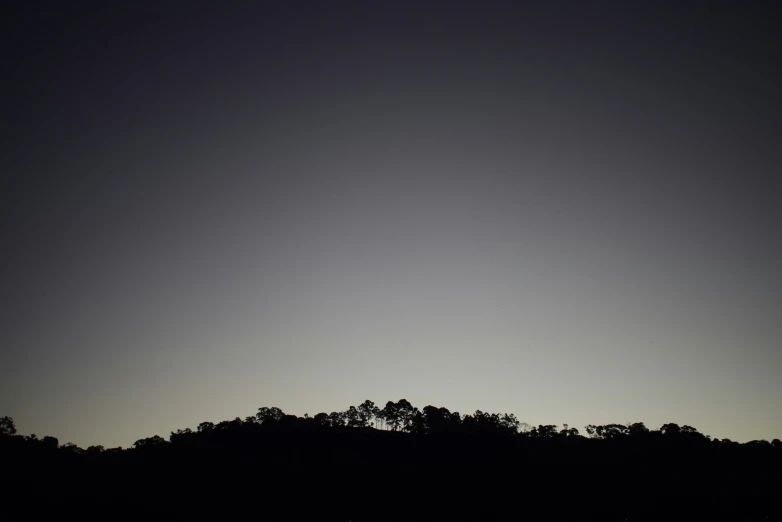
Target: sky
[{"x": 566, "y": 211}]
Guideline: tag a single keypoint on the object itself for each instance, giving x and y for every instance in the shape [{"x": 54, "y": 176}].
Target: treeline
[
  {"x": 399, "y": 463},
  {"x": 400, "y": 416}
]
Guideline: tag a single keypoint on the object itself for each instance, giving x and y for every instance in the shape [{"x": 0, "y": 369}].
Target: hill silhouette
[{"x": 397, "y": 463}]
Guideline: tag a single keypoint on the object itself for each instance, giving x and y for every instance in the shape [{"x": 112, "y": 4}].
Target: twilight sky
[{"x": 566, "y": 211}]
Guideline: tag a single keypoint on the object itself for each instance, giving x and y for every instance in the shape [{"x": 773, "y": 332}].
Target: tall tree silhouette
[
  {"x": 353, "y": 418},
  {"x": 367, "y": 411},
  {"x": 7, "y": 426},
  {"x": 406, "y": 412},
  {"x": 390, "y": 414}
]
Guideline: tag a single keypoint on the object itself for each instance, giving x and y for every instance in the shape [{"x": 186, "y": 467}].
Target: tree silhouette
[
  {"x": 71, "y": 449},
  {"x": 509, "y": 423},
  {"x": 436, "y": 420},
  {"x": 352, "y": 417},
  {"x": 405, "y": 412},
  {"x": 390, "y": 415},
  {"x": 271, "y": 415},
  {"x": 51, "y": 442},
  {"x": 367, "y": 411},
  {"x": 205, "y": 426},
  {"x": 150, "y": 442},
  {"x": 670, "y": 430},
  {"x": 544, "y": 431},
  {"x": 637, "y": 428},
  {"x": 607, "y": 431},
  {"x": 337, "y": 419},
  {"x": 7, "y": 426}
]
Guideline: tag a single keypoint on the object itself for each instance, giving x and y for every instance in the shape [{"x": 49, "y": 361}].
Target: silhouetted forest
[{"x": 397, "y": 463}]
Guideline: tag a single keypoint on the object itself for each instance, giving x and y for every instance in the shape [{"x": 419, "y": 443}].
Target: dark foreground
[{"x": 298, "y": 472}]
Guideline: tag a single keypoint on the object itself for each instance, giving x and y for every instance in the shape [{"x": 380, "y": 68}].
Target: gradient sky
[{"x": 567, "y": 212}]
